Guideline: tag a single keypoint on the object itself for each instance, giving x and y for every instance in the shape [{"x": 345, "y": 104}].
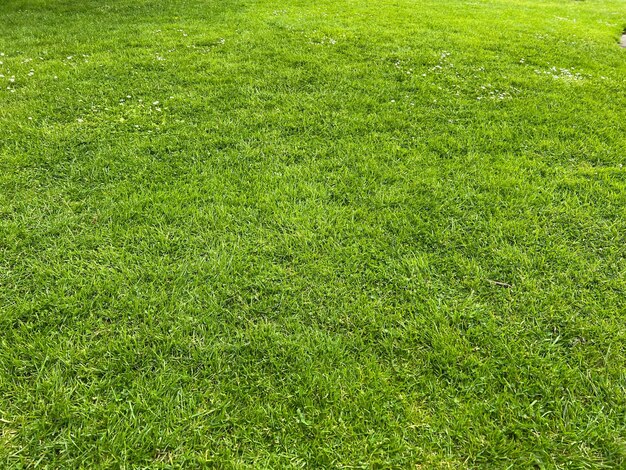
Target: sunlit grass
[{"x": 325, "y": 234}]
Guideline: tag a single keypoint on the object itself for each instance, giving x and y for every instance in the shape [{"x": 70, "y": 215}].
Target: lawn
[{"x": 329, "y": 234}]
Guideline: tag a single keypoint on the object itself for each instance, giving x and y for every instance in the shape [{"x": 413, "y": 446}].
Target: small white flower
[
  {"x": 30, "y": 118},
  {"x": 155, "y": 103},
  {"x": 79, "y": 120},
  {"x": 69, "y": 57}
]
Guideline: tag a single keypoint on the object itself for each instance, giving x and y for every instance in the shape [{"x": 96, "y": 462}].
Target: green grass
[{"x": 255, "y": 234}]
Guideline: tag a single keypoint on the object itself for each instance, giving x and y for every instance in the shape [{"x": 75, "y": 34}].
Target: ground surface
[{"x": 281, "y": 234}]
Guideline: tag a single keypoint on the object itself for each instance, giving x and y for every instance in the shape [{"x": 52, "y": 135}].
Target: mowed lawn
[{"x": 320, "y": 234}]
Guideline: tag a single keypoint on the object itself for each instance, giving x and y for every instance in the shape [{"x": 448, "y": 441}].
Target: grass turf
[{"x": 282, "y": 234}]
